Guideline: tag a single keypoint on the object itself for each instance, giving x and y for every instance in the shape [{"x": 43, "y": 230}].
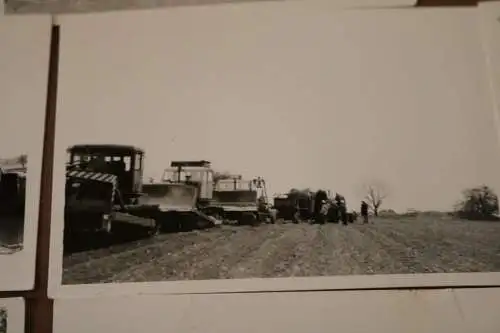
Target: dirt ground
[{"x": 411, "y": 245}]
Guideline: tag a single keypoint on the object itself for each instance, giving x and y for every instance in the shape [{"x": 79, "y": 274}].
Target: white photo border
[
  {"x": 15, "y": 314},
  {"x": 320, "y": 283}
]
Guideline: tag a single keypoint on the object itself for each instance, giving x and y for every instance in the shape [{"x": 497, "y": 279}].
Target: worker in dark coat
[
  {"x": 320, "y": 199},
  {"x": 364, "y": 211},
  {"x": 296, "y": 212},
  {"x": 333, "y": 212},
  {"x": 342, "y": 207}
]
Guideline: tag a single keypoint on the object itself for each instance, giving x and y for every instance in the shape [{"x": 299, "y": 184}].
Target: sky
[{"x": 305, "y": 98}]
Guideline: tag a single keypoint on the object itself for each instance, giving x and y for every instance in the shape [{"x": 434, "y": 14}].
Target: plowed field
[{"x": 410, "y": 245}]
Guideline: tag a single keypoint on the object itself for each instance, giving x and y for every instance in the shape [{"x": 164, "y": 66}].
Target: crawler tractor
[{"x": 230, "y": 199}]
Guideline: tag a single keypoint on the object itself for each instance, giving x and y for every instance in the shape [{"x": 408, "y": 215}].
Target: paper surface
[
  {"x": 23, "y": 79},
  {"x": 360, "y": 103}
]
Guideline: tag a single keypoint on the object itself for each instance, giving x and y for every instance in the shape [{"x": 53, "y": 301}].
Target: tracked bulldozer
[
  {"x": 244, "y": 201},
  {"x": 230, "y": 199}
]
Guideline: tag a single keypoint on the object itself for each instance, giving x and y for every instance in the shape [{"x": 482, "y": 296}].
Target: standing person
[
  {"x": 342, "y": 207},
  {"x": 334, "y": 212},
  {"x": 319, "y": 200},
  {"x": 296, "y": 212},
  {"x": 343, "y": 212},
  {"x": 364, "y": 211}
]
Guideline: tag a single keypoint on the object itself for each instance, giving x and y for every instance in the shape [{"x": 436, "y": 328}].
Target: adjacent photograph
[
  {"x": 240, "y": 151},
  {"x": 3, "y": 320},
  {"x": 23, "y": 80},
  {"x": 13, "y": 172},
  {"x": 12, "y": 315}
]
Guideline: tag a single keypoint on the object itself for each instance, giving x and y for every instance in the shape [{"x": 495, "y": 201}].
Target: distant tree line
[{"x": 478, "y": 203}]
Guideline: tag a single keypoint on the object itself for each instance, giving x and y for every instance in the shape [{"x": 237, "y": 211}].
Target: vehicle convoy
[
  {"x": 104, "y": 189},
  {"x": 230, "y": 199},
  {"x": 304, "y": 205}
]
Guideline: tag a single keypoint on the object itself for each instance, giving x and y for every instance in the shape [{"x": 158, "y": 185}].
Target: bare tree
[{"x": 375, "y": 195}]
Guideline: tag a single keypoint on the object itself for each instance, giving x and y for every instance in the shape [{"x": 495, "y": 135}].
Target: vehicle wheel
[{"x": 156, "y": 229}]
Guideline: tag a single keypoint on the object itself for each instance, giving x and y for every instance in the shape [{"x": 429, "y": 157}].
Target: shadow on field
[
  {"x": 122, "y": 233},
  {"x": 86, "y": 241}
]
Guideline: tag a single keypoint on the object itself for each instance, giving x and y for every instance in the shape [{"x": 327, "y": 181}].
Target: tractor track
[{"x": 286, "y": 249}]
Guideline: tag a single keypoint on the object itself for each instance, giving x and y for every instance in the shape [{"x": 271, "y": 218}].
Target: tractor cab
[
  {"x": 198, "y": 173},
  {"x": 125, "y": 162}
]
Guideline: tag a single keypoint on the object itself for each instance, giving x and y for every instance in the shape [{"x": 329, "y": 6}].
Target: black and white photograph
[
  {"x": 12, "y": 201},
  {"x": 23, "y": 80},
  {"x": 314, "y": 143},
  {"x": 12, "y": 315},
  {"x": 3, "y": 320}
]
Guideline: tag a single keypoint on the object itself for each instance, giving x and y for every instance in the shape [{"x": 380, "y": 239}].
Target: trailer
[{"x": 295, "y": 206}]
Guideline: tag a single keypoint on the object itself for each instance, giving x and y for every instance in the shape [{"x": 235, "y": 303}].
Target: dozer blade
[
  {"x": 177, "y": 199},
  {"x": 206, "y": 219},
  {"x": 170, "y": 197},
  {"x": 236, "y": 200}
]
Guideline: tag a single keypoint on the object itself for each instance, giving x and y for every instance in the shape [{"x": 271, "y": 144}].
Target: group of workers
[{"x": 334, "y": 210}]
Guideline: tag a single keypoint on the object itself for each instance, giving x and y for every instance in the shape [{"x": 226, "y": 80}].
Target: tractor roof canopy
[
  {"x": 104, "y": 149},
  {"x": 193, "y": 164}
]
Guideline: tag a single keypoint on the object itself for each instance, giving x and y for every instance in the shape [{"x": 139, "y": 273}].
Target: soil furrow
[
  {"x": 74, "y": 259},
  {"x": 103, "y": 269},
  {"x": 284, "y": 254},
  {"x": 451, "y": 253},
  {"x": 409, "y": 252},
  {"x": 372, "y": 254},
  {"x": 395, "y": 246},
  {"x": 263, "y": 261},
  {"x": 178, "y": 265},
  {"x": 218, "y": 263}
]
